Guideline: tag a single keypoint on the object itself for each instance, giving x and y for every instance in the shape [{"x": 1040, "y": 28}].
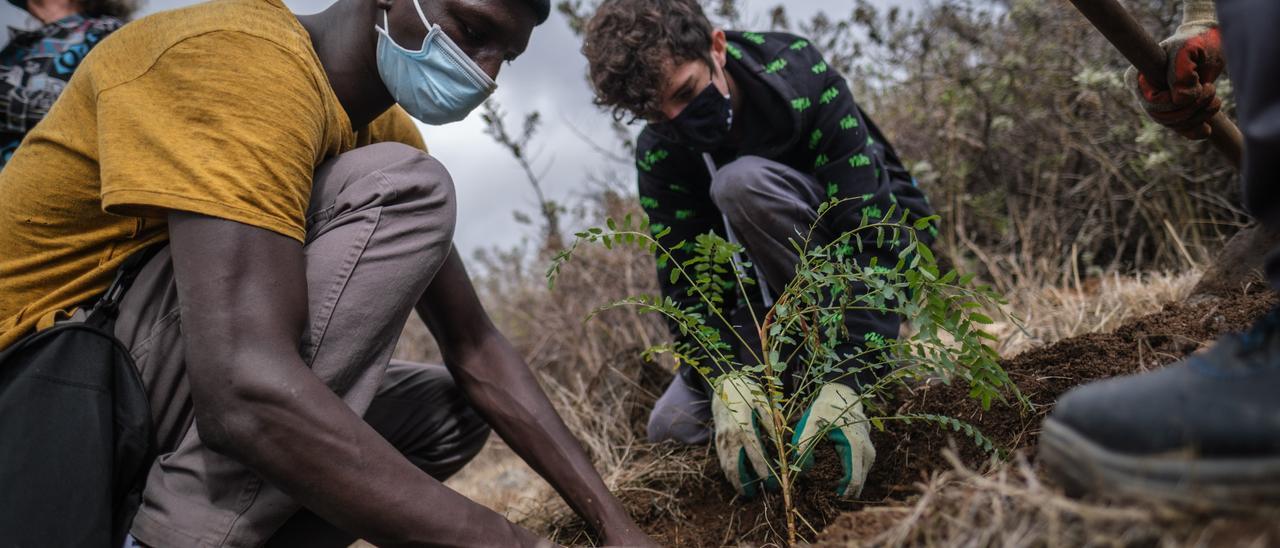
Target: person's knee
[
  {"x": 737, "y": 187},
  {"x": 416, "y": 178},
  {"x": 676, "y": 425},
  {"x": 408, "y": 180}
]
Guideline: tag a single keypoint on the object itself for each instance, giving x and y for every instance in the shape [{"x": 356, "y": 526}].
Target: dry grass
[
  {"x": 1095, "y": 305},
  {"x": 1010, "y": 506}
]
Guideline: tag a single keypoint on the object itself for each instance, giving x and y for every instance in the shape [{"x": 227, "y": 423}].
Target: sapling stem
[{"x": 779, "y": 426}]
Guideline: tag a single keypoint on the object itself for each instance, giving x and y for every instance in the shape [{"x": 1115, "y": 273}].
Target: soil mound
[
  {"x": 907, "y": 454},
  {"x": 710, "y": 513}
]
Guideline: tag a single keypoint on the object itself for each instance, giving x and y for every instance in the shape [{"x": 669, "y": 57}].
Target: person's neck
[
  {"x": 50, "y": 11},
  {"x": 735, "y": 92},
  {"x": 346, "y": 43}
]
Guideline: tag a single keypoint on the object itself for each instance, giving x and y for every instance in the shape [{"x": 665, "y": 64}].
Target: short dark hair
[{"x": 630, "y": 42}]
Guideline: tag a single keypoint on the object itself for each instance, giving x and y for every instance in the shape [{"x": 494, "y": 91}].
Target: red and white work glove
[{"x": 1195, "y": 61}]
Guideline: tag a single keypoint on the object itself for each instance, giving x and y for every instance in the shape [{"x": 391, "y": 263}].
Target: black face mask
[{"x": 704, "y": 124}]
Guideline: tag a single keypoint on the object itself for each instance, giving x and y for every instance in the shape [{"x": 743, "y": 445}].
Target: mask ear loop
[
  {"x": 418, "y": 6},
  {"x": 724, "y": 73},
  {"x": 386, "y": 25},
  {"x": 727, "y": 96}
]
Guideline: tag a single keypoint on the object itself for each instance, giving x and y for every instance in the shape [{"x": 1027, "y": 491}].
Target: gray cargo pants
[{"x": 379, "y": 226}]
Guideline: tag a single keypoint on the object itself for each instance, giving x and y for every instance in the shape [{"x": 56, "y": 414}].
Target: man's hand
[
  {"x": 836, "y": 415},
  {"x": 740, "y": 409},
  {"x": 1195, "y": 61}
]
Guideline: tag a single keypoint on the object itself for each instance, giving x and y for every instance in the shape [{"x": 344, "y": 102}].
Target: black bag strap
[{"x": 104, "y": 311}]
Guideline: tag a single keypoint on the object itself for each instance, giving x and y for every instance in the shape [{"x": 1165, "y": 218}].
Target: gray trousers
[
  {"x": 768, "y": 204},
  {"x": 379, "y": 226}
]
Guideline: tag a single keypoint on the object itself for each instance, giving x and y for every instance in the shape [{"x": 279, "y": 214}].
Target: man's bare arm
[
  {"x": 498, "y": 383},
  {"x": 244, "y": 305}
]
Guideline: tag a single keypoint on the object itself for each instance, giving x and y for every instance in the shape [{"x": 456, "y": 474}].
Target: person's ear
[{"x": 719, "y": 47}]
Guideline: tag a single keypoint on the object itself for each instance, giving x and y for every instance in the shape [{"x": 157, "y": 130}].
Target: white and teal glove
[
  {"x": 836, "y": 415},
  {"x": 740, "y": 409}
]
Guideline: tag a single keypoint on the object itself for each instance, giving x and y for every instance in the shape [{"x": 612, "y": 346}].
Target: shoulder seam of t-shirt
[{"x": 291, "y": 51}]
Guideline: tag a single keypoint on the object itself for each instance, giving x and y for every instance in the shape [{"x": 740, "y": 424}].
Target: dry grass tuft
[
  {"x": 1011, "y": 506},
  {"x": 1095, "y": 305}
]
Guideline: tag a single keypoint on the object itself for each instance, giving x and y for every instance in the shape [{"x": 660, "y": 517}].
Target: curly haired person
[{"x": 747, "y": 135}]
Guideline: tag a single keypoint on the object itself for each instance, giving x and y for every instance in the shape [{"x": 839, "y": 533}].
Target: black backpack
[{"x": 76, "y": 440}]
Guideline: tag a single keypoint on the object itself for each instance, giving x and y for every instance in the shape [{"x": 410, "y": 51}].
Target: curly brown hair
[
  {"x": 120, "y": 9},
  {"x": 629, "y": 43}
]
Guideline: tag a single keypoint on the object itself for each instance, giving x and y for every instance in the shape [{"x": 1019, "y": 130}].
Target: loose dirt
[
  {"x": 908, "y": 454},
  {"x": 704, "y": 511}
]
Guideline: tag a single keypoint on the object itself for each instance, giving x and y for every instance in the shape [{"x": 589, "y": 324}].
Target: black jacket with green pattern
[{"x": 798, "y": 111}]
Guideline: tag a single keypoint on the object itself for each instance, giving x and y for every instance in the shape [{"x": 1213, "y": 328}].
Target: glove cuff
[{"x": 1198, "y": 13}]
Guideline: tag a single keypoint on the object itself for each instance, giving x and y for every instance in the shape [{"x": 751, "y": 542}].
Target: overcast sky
[{"x": 549, "y": 78}]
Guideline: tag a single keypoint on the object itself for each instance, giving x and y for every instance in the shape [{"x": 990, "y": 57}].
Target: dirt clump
[
  {"x": 713, "y": 514},
  {"x": 703, "y": 510}
]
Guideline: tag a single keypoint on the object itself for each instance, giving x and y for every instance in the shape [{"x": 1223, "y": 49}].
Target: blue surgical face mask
[{"x": 438, "y": 83}]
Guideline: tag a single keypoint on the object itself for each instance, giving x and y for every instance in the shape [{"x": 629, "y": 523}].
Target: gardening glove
[
  {"x": 740, "y": 409},
  {"x": 1195, "y": 61},
  {"x": 836, "y": 415}
]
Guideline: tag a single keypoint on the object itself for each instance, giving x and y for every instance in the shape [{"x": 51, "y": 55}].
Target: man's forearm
[
  {"x": 516, "y": 408},
  {"x": 307, "y": 442}
]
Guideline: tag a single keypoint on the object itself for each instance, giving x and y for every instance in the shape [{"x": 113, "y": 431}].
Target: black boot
[{"x": 1205, "y": 430}]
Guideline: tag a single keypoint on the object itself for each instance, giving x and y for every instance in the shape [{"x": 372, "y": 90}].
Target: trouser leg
[
  {"x": 1253, "y": 57},
  {"x": 769, "y": 205},
  {"x": 423, "y": 413},
  {"x": 379, "y": 226},
  {"x": 681, "y": 414}
]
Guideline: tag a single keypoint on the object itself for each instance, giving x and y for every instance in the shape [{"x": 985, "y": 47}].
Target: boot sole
[{"x": 1083, "y": 466}]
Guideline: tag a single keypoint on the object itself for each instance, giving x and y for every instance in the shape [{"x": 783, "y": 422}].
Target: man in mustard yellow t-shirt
[{"x": 304, "y": 223}]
